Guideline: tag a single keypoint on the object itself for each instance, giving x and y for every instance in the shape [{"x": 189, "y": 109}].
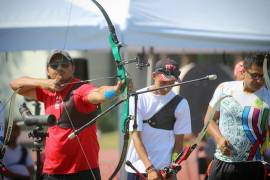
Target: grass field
[{"x": 109, "y": 140}]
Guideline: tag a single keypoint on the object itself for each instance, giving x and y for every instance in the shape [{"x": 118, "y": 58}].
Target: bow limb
[
  {"x": 267, "y": 83},
  {"x": 121, "y": 73},
  {"x": 208, "y": 120},
  {"x": 9, "y": 124},
  {"x": 265, "y": 72},
  {"x": 122, "y": 156},
  {"x": 142, "y": 177}
]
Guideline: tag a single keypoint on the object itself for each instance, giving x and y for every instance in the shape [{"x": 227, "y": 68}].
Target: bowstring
[
  {"x": 69, "y": 118},
  {"x": 68, "y": 21},
  {"x": 78, "y": 139},
  {"x": 5, "y": 103}
]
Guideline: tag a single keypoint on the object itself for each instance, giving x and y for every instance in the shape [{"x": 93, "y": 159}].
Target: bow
[
  {"x": 122, "y": 74},
  {"x": 265, "y": 72},
  {"x": 267, "y": 83},
  {"x": 8, "y": 130}
]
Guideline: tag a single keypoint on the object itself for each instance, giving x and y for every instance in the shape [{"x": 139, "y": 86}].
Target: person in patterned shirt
[{"x": 243, "y": 116}]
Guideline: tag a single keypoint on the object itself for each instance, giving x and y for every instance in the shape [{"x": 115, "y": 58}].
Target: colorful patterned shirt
[{"x": 244, "y": 120}]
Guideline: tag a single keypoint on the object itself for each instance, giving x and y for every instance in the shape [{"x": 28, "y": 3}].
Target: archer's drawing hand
[
  {"x": 224, "y": 146},
  {"x": 54, "y": 85}
]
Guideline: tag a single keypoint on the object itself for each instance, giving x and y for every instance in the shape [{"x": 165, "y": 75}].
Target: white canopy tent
[
  {"x": 166, "y": 25},
  {"x": 61, "y": 24},
  {"x": 209, "y": 25},
  {"x": 175, "y": 25}
]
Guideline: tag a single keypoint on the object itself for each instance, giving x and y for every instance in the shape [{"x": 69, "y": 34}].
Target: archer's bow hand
[
  {"x": 119, "y": 86},
  {"x": 224, "y": 146},
  {"x": 53, "y": 85},
  {"x": 153, "y": 175}
]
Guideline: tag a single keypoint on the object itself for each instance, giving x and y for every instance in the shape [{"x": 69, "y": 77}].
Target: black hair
[{"x": 256, "y": 59}]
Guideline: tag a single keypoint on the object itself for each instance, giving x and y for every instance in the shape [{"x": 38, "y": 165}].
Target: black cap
[
  {"x": 169, "y": 68},
  {"x": 63, "y": 55}
]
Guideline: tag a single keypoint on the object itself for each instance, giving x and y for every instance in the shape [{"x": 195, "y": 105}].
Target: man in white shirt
[{"x": 162, "y": 120}]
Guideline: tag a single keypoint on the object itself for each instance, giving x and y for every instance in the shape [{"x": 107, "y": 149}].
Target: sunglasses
[
  {"x": 55, "y": 65},
  {"x": 256, "y": 76},
  {"x": 166, "y": 72}
]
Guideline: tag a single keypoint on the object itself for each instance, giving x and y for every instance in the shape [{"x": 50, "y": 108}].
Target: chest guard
[
  {"x": 70, "y": 113},
  {"x": 164, "y": 118}
]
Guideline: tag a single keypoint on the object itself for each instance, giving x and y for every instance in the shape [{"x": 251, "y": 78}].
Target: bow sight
[{"x": 140, "y": 62}]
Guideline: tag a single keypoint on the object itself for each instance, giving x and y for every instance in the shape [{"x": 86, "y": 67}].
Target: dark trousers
[
  {"x": 75, "y": 176},
  {"x": 133, "y": 176},
  {"x": 238, "y": 170}
]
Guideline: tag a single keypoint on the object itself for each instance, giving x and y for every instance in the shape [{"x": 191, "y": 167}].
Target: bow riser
[{"x": 122, "y": 75}]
